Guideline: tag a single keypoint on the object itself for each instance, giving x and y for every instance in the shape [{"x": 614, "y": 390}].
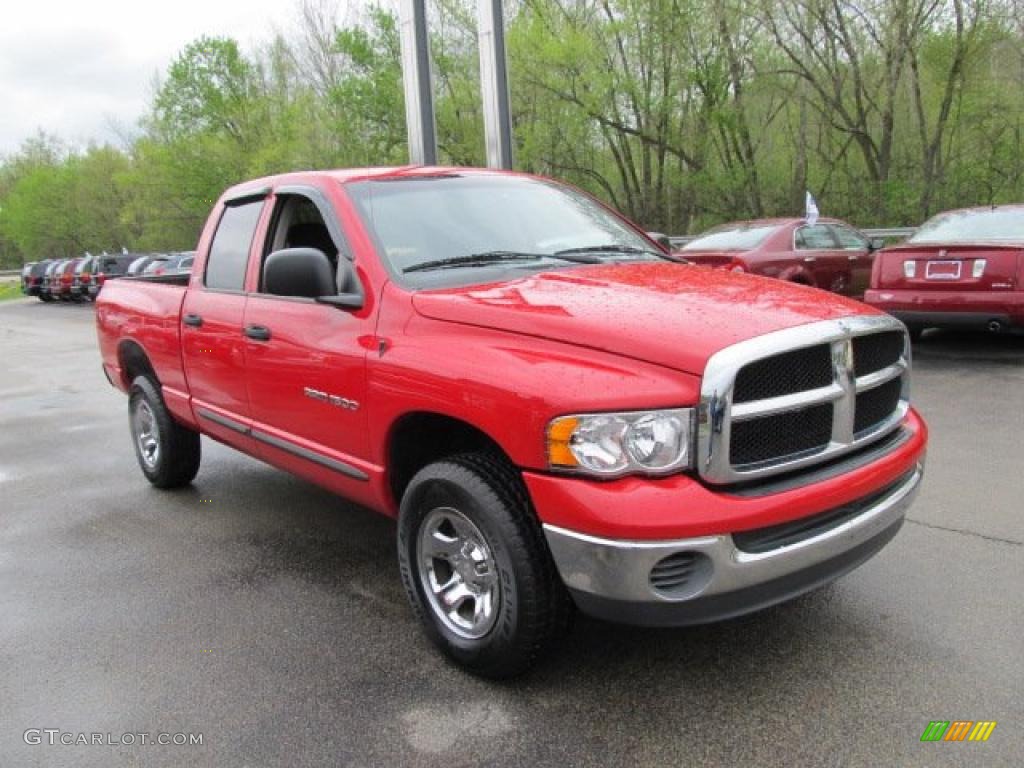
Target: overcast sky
[{"x": 75, "y": 67}]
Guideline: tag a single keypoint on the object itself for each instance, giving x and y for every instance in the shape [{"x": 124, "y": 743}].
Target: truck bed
[{"x": 145, "y": 312}]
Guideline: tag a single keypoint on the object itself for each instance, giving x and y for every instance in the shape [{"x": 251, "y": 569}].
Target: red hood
[{"x": 668, "y": 314}]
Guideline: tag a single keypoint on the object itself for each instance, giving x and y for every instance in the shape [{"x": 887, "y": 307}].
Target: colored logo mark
[{"x": 958, "y": 730}]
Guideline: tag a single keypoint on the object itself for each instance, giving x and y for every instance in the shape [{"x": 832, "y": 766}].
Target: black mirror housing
[
  {"x": 302, "y": 272},
  {"x": 349, "y": 292},
  {"x": 342, "y": 300}
]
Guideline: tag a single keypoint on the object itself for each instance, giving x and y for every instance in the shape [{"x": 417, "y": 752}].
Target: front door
[{"x": 306, "y": 362}]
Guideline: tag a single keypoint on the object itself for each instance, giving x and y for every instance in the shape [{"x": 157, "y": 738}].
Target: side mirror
[
  {"x": 304, "y": 272},
  {"x": 349, "y": 294},
  {"x": 661, "y": 240},
  {"x": 876, "y": 243}
]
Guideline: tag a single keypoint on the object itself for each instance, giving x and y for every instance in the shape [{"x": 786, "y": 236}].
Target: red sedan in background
[
  {"x": 829, "y": 254},
  {"x": 961, "y": 269}
]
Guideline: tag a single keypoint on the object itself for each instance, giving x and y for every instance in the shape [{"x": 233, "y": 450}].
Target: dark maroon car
[
  {"x": 829, "y": 254},
  {"x": 961, "y": 269}
]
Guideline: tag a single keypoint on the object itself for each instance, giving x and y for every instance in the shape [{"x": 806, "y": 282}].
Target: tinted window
[
  {"x": 814, "y": 238},
  {"x": 229, "y": 253},
  {"x": 997, "y": 224},
  {"x": 731, "y": 237},
  {"x": 848, "y": 239}
]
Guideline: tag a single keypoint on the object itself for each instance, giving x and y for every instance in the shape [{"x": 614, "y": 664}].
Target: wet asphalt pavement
[{"x": 268, "y": 616}]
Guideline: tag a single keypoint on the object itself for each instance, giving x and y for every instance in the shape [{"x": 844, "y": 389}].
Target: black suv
[{"x": 32, "y": 277}]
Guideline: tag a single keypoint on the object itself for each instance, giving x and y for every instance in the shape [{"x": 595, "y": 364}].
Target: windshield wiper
[
  {"x": 493, "y": 257},
  {"x": 614, "y": 248},
  {"x": 608, "y": 248}
]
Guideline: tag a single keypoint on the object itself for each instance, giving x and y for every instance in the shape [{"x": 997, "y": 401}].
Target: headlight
[{"x": 612, "y": 444}]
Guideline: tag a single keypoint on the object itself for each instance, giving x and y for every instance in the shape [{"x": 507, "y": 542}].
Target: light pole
[
  {"x": 494, "y": 83},
  {"x": 419, "y": 98}
]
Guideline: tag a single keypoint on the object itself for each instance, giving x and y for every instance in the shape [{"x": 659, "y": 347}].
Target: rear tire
[
  {"x": 476, "y": 567},
  {"x": 168, "y": 453}
]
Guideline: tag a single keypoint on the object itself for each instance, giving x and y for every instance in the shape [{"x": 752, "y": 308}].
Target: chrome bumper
[{"x": 612, "y": 578}]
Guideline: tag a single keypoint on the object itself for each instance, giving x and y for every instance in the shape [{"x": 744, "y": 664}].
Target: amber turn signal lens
[{"x": 559, "y": 435}]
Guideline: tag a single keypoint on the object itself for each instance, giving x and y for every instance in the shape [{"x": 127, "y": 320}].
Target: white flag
[{"x": 812, "y": 210}]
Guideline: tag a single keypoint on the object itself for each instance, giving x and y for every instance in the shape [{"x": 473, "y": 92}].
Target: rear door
[
  {"x": 212, "y": 344},
  {"x": 306, "y": 362},
  {"x": 859, "y": 257},
  {"x": 822, "y": 257}
]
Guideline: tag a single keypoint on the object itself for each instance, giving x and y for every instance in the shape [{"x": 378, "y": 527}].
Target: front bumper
[{"x": 612, "y": 578}]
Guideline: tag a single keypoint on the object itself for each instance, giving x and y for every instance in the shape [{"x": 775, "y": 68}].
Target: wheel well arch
[
  {"x": 133, "y": 361},
  {"x": 420, "y": 438}
]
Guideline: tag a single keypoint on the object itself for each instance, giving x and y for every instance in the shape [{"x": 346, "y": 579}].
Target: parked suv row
[{"x": 82, "y": 278}]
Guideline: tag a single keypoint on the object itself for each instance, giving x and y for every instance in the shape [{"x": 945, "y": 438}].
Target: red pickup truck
[{"x": 558, "y": 412}]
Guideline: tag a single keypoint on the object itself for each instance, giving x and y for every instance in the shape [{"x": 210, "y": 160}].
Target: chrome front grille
[{"x": 801, "y": 396}]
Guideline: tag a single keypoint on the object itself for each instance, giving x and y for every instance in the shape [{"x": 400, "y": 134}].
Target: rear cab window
[{"x": 229, "y": 251}]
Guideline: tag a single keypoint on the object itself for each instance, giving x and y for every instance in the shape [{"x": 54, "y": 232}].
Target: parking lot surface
[{"x": 268, "y": 615}]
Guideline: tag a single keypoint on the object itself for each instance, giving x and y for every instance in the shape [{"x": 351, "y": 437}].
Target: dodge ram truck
[{"x": 560, "y": 414}]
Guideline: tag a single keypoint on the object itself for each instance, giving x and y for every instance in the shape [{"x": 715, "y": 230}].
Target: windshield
[
  {"x": 455, "y": 229},
  {"x": 731, "y": 237},
  {"x": 1006, "y": 224}
]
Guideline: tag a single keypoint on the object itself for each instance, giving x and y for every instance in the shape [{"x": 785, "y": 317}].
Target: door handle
[
  {"x": 193, "y": 320},
  {"x": 257, "y": 332},
  {"x": 810, "y": 259},
  {"x": 852, "y": 258}
]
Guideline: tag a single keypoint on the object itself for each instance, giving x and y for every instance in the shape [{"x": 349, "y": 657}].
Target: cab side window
[
  {"x": 816, "y": 238},
  {"x": 848, "y": 239},
  {"x": 299, "y": 223},
  {"x": 229, "y": 252}
]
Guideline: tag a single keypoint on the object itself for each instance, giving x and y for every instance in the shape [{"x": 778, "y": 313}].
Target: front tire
[
  {"x": 168, "y": 453},
  {"x": 476, "y": 568}
]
